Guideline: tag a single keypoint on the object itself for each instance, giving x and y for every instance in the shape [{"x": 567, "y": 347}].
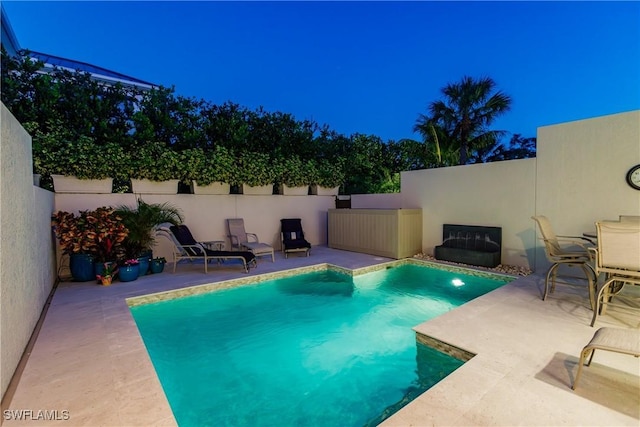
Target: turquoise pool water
[{"x": 318, "y": 349}]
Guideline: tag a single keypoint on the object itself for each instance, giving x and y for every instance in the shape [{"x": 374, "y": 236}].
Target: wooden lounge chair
[
  {"x": 572, "y": 251},
  {"x": 618, "y": 258},
  {"x": 625, "y": 341},
  {"x": 241, "y": 240},
  {"x": 186, "y": 247}
]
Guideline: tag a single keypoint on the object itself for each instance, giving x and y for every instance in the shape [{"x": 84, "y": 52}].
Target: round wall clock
[{"x": 633, "y": 177}]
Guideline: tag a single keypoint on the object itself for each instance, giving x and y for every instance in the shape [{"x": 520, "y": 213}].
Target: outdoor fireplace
[{"x": 470, "y": 244}]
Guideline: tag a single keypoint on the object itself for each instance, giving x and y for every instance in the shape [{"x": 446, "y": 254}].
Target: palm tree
[
  {"x": 141, "y": 222},
  {"x": 465, "y": 114},
  {"x": 440, "y": 149}
]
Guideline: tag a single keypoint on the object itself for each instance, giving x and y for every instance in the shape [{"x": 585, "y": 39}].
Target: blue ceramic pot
[
  {"x": 144, "y": 263},
  {"x": 129, "y": 273},
  {"x": 81, "y": 266},
  {"x": 157, "y": 266}
]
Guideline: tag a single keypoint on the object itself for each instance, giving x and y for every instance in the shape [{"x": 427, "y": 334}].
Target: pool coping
[{"x": 253, "y": 280}]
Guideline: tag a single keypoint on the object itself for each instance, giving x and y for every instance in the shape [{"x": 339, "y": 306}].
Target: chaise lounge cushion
[{"x": 184, "y": 236}]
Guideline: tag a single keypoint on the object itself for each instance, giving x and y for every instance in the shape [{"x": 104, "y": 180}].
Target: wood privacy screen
[{"x": 393, "y": 233}]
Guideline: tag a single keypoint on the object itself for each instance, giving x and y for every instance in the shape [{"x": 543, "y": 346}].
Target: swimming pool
[{"x": 316, "y": 349}]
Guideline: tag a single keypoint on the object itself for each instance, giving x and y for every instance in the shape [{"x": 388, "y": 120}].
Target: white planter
[
  {"x": 260, "y": 190},
  {"x": 213, "y": 188},
  {"x": 324, "y": 191},
  {"x": 71, "y": 184},
  {"x": 145, "y": 186},
  {"x": 294, "y": 191},
  {"x": 36, "y": 179}
]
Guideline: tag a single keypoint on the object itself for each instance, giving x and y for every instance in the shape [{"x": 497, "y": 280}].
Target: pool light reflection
[{"x": 457, "y": 283}]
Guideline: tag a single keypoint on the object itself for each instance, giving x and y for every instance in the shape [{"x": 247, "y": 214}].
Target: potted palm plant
[{"x": 141, "y": 222}]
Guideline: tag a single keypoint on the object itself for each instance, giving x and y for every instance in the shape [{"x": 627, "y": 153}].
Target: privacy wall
[
  {"x": 577, "y": 178},
  {"x": 500, "y": 194},
  {"x": 205, "y": 215},
  {"x": 27, "y": 262}
]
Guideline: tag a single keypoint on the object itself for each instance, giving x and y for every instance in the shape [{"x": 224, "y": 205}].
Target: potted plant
[
  {"x": 157, "y": 265},
  {"x": 295, "y": 176},
  {"x": 109, "y": 270},
  {"x": 130, "y": 270},
  {"x": 256, "y": 173},
  {"x": 141, "y": 222},
  {"x": 213, "y": 171},
  {"x": 76, "y": 163},
  {"x": 87, "y": 237},
  {"x": 329, "y": 176},
  {"x": 154, "y": 169}
]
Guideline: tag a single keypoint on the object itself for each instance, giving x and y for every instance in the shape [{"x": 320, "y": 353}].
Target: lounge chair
[
  {"x": 293, "y": 237},
  {"x": 618, "y": 258},
  {"x": 572, "y": 251},
  {"x": 186, "y": 247},
  {"x": 240, "y": 239},
  {"x": 625, "y": 341}
]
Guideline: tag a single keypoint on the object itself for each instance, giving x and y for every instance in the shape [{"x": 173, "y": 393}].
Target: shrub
[
  {"x": 256, "y": 169},
  {"x": 217, "y": 165},
  {"x": 100, "y": 233},
  {"x": 330, "y": 173},
  {"x": 294, "y": 172},
  {"x": 154, "y": 161}
]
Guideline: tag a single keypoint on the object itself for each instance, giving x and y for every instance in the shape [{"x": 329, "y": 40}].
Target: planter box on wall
[
  {"x": 294, "y": 191},
  {"x": 260, "y": 190},
  {"x": 213, "y": 188},
  {"x": 71, "y": 184},
  {"x": 324, "y": 191},
  {"x": 145, "y": 186}
]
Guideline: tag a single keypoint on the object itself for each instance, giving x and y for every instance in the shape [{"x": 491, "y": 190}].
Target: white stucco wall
[
  {"x": 581, "y": 171},
  {"x": 205, "y": 215},
  {"x": 499, "y": 194},
  {"x": 27, "y": 263}
]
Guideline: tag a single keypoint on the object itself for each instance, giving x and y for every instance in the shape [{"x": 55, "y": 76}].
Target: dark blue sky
[{"x": 368, "y": 67}]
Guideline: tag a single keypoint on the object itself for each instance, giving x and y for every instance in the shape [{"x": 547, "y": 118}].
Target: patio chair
[
  {"x": 625, "y": 341},
  {"x": 572, "y": 251},
  {"x": 186, "y": 247},
  {"x": 240, "y": 239},
  {"x": 293, "y": 237},
  {"x": 618, "y": 257}
]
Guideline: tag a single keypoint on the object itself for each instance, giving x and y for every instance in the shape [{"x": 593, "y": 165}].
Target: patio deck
[{"x": 89, "y": 358}]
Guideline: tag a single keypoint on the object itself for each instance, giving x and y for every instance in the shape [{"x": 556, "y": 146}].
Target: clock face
[{"x": 633, "y": 177}]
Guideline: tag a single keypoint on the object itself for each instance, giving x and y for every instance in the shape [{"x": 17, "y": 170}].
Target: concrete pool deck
[{"x": 89, "y": 367}]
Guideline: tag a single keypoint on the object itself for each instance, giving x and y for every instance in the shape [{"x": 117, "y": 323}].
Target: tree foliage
[
  {"x": 152, "y": 128},
  {"x": 462, "y": 119}
]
